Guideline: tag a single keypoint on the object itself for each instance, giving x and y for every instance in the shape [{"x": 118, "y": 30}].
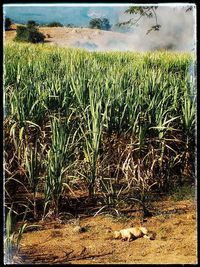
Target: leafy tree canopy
[
  {"x": 55, "y": 24},
  {"x": 29, "y": 34},
  {"x": 8, "y": 23},
  {"x": 148, "y": 12},
  {"x": 32, "y": 23},
  {"x": 100, "y": 23}
]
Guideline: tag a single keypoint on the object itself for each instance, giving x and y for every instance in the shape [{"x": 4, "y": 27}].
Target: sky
[
  {"x": 78, "y": 15},
  {"x": 178, "y": 27}
]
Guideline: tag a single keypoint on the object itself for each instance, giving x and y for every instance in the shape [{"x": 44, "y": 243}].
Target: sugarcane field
[{"x": 99, "y": 138}]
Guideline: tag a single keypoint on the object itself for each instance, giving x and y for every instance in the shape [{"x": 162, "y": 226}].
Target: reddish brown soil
[{"x": 175, "y": 243}]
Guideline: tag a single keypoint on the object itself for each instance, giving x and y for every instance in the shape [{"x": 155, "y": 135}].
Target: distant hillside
[
  {"x": 98, "y": 40},
  {"x": 92, "y": 39}
]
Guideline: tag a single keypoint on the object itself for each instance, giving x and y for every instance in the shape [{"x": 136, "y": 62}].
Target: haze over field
[{"x": 177, "y": 30}]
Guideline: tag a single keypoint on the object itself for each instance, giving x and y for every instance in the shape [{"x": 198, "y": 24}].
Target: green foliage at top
[
  {"x": 55, "y": 24},
  {"x": 100, "y": 23},
  {"x": 32, "y": 23},
  {"x": 29, "y": 33},
  {"x": 8, "y": 23}
]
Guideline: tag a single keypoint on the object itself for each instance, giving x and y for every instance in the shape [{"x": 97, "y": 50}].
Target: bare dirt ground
[
  {"x": 81, "y": 37},
  {"x": 175, "y": 243}
]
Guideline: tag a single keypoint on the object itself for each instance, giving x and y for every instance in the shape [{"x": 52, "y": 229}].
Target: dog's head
[{"x": 144, "y": 230}]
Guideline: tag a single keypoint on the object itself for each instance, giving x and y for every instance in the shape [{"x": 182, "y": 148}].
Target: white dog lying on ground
[{"x": 134, "y": 232}]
